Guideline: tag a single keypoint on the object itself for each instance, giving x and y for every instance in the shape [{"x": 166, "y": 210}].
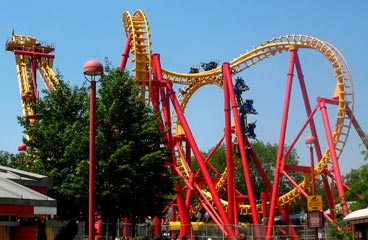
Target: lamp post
[
  {"x": 91, "y": 70},
  {"x": 22, "y": 149},
  {"x": 310, "y": 141}
]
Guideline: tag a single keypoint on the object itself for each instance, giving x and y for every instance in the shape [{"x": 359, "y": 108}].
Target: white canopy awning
[
  {"x": 357, "y": 215},
  {"x": 19, "y": 199}
]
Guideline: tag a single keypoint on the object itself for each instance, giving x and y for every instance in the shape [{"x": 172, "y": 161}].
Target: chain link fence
[{"x": 202, "y": 231}]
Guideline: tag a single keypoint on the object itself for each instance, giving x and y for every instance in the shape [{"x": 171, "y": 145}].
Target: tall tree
[
  {"x": 131, "y": 177},
  {"x": 357, "y": 180},
  {"x": 132, "y": 171},
  {"x": 9, "y": 159},
  {"x": 57, "y": 145}
]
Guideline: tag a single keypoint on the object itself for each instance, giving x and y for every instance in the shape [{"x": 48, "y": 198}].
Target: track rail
[{"x": 136, "y": 26}]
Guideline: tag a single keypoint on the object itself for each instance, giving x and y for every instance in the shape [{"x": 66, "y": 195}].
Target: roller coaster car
[
  {"x": 194, "y": 69},
  {"x": 247, "y": 107},
  {"x": 240, "y": 85},
  {"x": 209, "y": 66},
  {"x": 239, "y": 88},
  {"x": 249, "y": 151},
  {"x": 249, "y": 130}
]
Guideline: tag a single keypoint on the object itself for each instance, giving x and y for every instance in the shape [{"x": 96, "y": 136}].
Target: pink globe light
[
  {"x": 93, "y": 68},
  {"x": 310, "y": 140},
  {"x": 22, "y": 147}
]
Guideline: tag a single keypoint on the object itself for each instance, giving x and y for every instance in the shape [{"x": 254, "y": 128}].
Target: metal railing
[{"x": 213, "y": 232}]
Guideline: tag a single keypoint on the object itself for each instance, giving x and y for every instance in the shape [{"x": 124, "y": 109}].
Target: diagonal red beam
[
  {"x": 125, "y": 54},
  {"x": 331, "y": 146},
  {"x": 357, "y": 127}
]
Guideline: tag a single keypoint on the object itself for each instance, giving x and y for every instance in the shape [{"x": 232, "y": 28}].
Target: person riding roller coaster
[
  {"x": 249, "y": 130},
  {"x": 247, "y": 107},
  {"x": 239, "y": 88},
  {"x": 209, "y": 66},
  {"x": 194, "y": 69}
]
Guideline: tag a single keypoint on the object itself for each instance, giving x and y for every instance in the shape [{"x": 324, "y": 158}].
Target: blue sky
[{"x": 186, "y": 33}]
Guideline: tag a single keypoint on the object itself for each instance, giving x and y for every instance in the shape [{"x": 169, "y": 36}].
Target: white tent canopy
[
  {"x": 16, "y": 198},
  {"x": 357, "y": 215}
]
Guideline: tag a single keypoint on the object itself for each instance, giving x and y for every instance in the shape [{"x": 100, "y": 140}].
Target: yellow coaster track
[{"x": 137, "y": 27}]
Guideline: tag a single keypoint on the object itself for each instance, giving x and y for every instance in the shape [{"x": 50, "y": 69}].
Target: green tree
[
  {"x": 357, "y": 180},
  {"x": 131, "y": 178},
  {"x": 341, "y": 229},
  {"x": 9, "y": 159},
  {"x": 133, "y": 174},
  {"x": 57, "y": 145}
]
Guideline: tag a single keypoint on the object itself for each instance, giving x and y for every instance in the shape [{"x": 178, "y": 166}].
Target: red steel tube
[
  {"x": 91, "y": 206},
  {"x": 125, "y": 55},
  {"x": 279, "y": 162},
  {"x": 229, "y": 150}
]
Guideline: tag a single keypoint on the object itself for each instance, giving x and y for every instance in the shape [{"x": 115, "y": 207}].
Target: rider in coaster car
[
  {"x": 209, "y": 66},
  {"x": 194, "y": 69},
  {"x": 249, "y": 130},
  {"x": 247, "y": 107},
  {"x": 239, "y": 88}
]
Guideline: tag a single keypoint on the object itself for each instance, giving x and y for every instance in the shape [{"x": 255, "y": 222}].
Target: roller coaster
[
  {"x": 198, "y": 190},
  {"x": 219, "y": 196},
  {"x": 32, "y": 55}
]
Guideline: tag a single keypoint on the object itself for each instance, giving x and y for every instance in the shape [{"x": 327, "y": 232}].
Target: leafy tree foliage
[
  {"x": 9, "y": 159},
  {"x": 57, "y": 145},
  {"x": 341, "y": 229},
  {"x": 131, "y": 178},
  {"x": 357, "y": 180},
  {"x": 133, "y": 174}
]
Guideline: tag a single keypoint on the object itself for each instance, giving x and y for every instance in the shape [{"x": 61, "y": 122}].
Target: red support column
[
  {"x": 125, "y": 227},
  {"x": 331, "y": 146},
  {"x": 125, "y": 55},
  {"x": 229, "y": 148},
  {"x": 264, "y": 198},
  {"x": 98, "y": 228},
  {"x": 279, "y": 160},
  {"x": 156, "y": 226}
]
